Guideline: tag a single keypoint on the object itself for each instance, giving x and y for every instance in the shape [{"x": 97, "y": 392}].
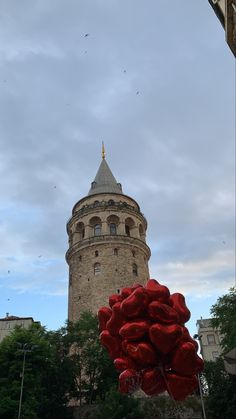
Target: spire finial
[{"x": 103, "y": 151}]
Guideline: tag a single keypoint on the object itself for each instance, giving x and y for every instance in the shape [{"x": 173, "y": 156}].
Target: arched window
[
  {"x": 135, "y": 269},
  {"x": 112, "y": 228},
  {"x": 97, "y": 269},
  {"x": 96, "y": 253},
  {"x": 96, "y": 203},
  {"x": 97, "y": 229},
  {"x": 129, "y": 226},
  {"x": 81, "y": 230},
  {"x": 111, "y": 202},
  {"x": 116, "y": 252},
  {"x": 127, "y": 230},
  {"x": 133, "y": 253}
]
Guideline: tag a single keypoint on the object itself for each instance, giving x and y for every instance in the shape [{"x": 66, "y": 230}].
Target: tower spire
[{"x": 103, "y": 151}]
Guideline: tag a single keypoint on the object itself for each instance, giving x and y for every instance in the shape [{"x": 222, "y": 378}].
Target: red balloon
[
  {"x": 145, "y": 336},
  {"x": 180, "y": 387},
  {"x": 135, "y": 304},
  {"x": 165, "y": 338},
  {"x": 178, "y": 303},
  {"x": 153, "y": 382},
  {"x": 124, "y": 363},
  {"x": 129, "y": 381},
  {"x": 143, "y": 353},
  {"x": 187, "y": 338},
  {"x": 185, "y": 359},
  {"x": 162, "y": 313},
  {"x": 116, "y": 321},
  {"x": 104, "y": 314},
  {"x": 157, "y": 291},
  {"x": 115, "y": 298},
  {"x": 111, "y": 343},
  {"x": 134, "y": 330}
]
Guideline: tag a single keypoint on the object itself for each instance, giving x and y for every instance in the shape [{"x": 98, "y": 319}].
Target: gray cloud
[{"x": 171, "y": 145}]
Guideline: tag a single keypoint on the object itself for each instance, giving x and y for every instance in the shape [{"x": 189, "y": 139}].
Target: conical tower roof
[{"x": 104, "y": 181}]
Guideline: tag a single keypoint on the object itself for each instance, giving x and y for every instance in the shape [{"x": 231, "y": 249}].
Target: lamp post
[
  {"x": 24, "y": 348},
  {"x": 198, "y": 337}
]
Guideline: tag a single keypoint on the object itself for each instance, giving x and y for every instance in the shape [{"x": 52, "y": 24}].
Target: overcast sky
[{"x": 152, "y": 79}]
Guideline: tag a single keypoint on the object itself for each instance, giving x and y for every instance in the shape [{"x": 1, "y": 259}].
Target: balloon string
[{"x": 167, "y": 386}]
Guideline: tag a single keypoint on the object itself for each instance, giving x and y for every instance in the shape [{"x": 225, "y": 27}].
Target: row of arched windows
[{"x": 113, "y": 221}]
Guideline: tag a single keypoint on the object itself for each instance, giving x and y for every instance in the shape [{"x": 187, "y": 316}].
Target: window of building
[
  {"x": 112, "y": 228},
  {"x": 96, "y": 253},
  {"x": 215, "y": 355},
  {"x": 80, "y": 257},
  {"x": 111, "y": 202},
  {"x": 211, "y": 339},
  {"x": 97, "y": 268},
  {"x": 116, "y": 252},
  {"x": 133, "y": 253},
  {"x": 97, "y": 230},
  {"x": 96, "y": 203},
  {"x": 127, "y": 230},
  {"x": 118, "y": 291},
  {"x": 135, "y": 269}
]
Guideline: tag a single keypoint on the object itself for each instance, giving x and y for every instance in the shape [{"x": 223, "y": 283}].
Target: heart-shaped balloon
[
  {"x": 116, "y": 321},
  {"x": 180, "y": 387},
  {"x": 135, "y": 304},
  {"x": 124, "y": 363},
  {"x": 134, "y": 330},
  {"x": 162, "y": 313},
  {"x": 165, "y": 338},
  {"x": 178, "y": 303},
  {"x": 153, "y": 382},
  {"x": 104, "y": 314},
  {"x": 111, "y": 343},
  {"x": 143, "y": 353},
  {"x": 185, "y": 359},
  {"x": 129, "y": 381},
  {"x": 157, "y": 291}
]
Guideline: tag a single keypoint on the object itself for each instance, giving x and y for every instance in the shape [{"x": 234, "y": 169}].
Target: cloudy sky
[{"x": 155, "y": 82}]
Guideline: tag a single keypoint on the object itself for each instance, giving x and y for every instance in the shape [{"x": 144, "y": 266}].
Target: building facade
[
  {"x": 107, "y": 244},
  {"x": 8, "y": 323},
  {"x": 209, "y": 339}
]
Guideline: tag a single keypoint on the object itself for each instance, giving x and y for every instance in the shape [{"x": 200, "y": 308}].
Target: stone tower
[{"x": 107, "y": 246}]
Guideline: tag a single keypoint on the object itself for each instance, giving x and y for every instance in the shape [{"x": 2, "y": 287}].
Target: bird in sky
[
  {"x": 124, "y": 71},
  {"x": 137, "y": 93},
  {"x": 87, "y": 34},
  {"x": 39, "y": 256},
  {"x": 8, "y": 272},
  {"x": 54, "y": 187}
]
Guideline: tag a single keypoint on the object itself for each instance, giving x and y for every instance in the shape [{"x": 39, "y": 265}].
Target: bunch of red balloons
[{"x": 144, "y": 333}]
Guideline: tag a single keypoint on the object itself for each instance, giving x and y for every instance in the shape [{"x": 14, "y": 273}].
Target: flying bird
[
  {"x": 87, "y": 34},
  {"x": 8, "y": 272},
  {"x": 39, "y": 256},
  {"x": 54, "y": 187},
  {"x": 137, "y": 93},
  {"x": 124, "y": 71}
]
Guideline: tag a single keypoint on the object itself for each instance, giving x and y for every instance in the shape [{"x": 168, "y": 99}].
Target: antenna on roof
[{"x": 103, "y": 151}]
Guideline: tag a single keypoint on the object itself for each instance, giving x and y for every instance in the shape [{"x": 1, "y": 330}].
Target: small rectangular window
[
  {"x": 211, "y": 339},
  {"x": 215, "y": 355}
]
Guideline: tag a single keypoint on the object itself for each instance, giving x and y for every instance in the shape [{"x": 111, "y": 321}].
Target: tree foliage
[
  {"x": 221, "y": 398},
  {"x": 224, "y": 312},
  {"x": 65, "y": 364}
]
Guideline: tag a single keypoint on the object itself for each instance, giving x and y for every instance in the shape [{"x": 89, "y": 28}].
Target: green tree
[
  {"x": 94, "y": 370},
  {"x": 48, "y": 377},
  {"x": 119, "y": 406},
  {"x": 221, "y": 399},
  {"x": 224, "y": 312}
]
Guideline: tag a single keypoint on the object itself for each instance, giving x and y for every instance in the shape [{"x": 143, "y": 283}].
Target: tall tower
[{"x": 107, "y": 246}]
